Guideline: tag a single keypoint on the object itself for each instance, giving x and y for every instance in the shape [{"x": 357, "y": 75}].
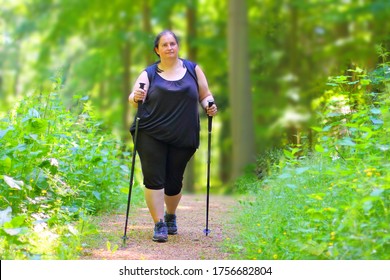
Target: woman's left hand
[{"x": 211, "y": 111}]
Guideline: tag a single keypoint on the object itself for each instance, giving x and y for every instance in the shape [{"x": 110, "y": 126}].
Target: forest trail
[{"x": 189, "y": 244}]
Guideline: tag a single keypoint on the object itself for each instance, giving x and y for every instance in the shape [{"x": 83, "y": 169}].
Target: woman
[{"x": 168, "y": 133}]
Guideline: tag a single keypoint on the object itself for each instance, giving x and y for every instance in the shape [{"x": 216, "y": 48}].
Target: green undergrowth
[
  {"x": 334, "y": 202},
  {"x": 58, "y": 167}
]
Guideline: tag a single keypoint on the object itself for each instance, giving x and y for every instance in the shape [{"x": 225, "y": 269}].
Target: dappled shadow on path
[{"x": 189, "y": 244}]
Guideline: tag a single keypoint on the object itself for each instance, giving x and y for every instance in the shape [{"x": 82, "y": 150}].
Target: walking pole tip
[{"x": 124, "y": 239}]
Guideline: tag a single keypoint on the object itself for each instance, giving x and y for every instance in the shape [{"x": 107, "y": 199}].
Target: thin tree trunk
[
  {"x": 2, "y": 95},
  {"x": 147, "y": 28},
  {"x": 189, "y": 175},
  {"x": 126, "y": 87},
  {"x": 293, "y": 131},
  {"x": 239, "y": 87}
]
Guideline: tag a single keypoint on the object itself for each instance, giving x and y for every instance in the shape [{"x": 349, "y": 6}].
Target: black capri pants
[{"x": 162, "y": 164}]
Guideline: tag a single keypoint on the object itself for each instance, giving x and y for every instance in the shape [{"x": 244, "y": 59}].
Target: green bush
[
  {"x": 333, "y": 204},
  {"x": 56, "y": 168}
]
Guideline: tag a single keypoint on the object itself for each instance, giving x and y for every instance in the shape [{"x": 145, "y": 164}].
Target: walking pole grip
[
  {"x": 141, "y": 86},
  {"x": 211, "y": 103}
]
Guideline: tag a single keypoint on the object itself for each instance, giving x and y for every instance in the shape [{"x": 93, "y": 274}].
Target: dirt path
[{"x": 189, "y": 244}]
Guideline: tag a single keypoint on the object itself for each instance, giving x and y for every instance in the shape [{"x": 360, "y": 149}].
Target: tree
[
  {"x": 239, "y": 88},
  {"x": 147, "y": 28},
  {"x": 189, "y": 176}
]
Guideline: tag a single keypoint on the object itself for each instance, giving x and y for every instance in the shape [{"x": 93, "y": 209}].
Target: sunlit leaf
[
  {"x": 5, "y": 163},
  {"x": 33, "y": 113},
  {"x": 13, "y": 231},
  {"x": 365, "y": 82},
  {"x": 4, "y": 132},
  {"x": 314, "y": 248},
  {"x": 6, "y": 215},
  {"x": 125, "y": 168},
  {"x": 16, "y": 222},
  {"x": 375, "y": 111},
  {"x": 346, "y": 141},
  {"x": 287, "y": 153},
  {"x": 291, "y": 186},
  {"x": 14, "y": 184},
  {"x": 319, "y": 148},
  {"x": 376, "y": 121},
  {"x": 376, "y": 192},
  {"x": 367, "y": 205},
  {"x": 97, "y": 194},
  {"x": 333, "y": 114},
  {"x": 383, "y": 147},
  {"x": 301, "y": 170},
  {"x": 284, "y": 176},
  {"x": 124, "y": 190},
  {"x": 316, "y": 128},
  {"x": 72, "y": 229}
]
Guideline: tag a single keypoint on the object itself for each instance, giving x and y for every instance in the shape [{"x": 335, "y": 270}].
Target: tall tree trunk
[
  {"x": 2, "y": 92},
  {"x": 225, "y": 158},
  {"x": 102, "y": 95},
  {"x": 126, "y": 87},
  {"x": 239, "y": 88},
  {"x": 293, "y": 131},
  {"x": 147, "y": 28},
  {"x": 189, "y": 175},
  {"x": 16, "y": 82},
  {"x": 16, "y": 85}
]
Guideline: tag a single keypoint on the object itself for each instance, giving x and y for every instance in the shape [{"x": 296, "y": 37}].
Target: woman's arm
[{"x": 204, "y": 93}]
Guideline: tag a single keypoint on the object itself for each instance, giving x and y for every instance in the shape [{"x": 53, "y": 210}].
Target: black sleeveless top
[{"x": 170, "y": 111}]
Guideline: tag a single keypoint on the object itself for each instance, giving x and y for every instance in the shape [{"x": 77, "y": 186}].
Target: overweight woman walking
[{"x": 168, "y": 133}]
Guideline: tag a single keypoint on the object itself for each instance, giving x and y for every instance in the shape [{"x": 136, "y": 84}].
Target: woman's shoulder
[
  {"x": 152, "y": 66},
  {"x": 189, "y": 63},
  {"x": 151, "y": 70}
]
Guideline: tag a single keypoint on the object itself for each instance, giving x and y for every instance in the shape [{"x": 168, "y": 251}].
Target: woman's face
[{"x": 167, "y": 47}]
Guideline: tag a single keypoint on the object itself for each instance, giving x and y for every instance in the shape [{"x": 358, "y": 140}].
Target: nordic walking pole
[
  {"x": 210, "y": 126},
  {"x": 137, "y": 118}
]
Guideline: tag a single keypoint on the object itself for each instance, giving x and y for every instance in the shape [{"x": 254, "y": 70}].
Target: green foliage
[
  {"x": 101, "y": 46},
  {"x": 56, "y": 168},
  {"x": 333, "y": 204}
]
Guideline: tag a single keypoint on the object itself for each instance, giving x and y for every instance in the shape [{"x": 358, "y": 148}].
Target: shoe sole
[
  {"x": 172, "y": 232},
  {"x": 160, "y": 240}
]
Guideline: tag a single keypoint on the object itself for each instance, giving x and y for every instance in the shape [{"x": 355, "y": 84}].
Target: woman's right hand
[{"x": 139, "y": 94}]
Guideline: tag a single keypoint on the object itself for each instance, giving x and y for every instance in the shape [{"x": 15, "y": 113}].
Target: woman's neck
[{"x": 170, "y": 64}]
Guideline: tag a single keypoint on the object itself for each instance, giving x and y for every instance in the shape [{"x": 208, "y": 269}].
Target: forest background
[{"x": 267, "y": 62}]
